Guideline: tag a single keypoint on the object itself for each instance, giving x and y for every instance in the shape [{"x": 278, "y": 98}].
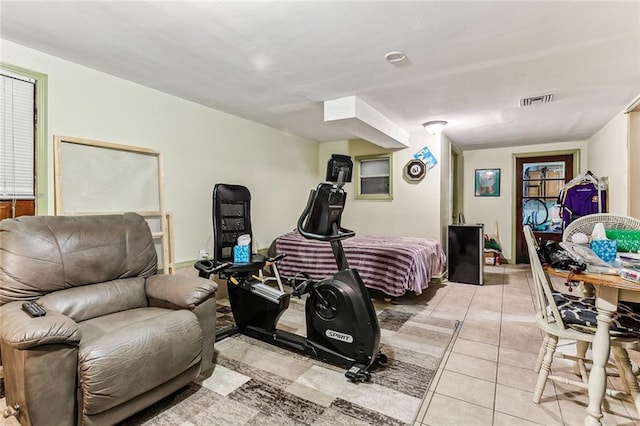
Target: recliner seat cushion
[{"x": 125, "y": 354}]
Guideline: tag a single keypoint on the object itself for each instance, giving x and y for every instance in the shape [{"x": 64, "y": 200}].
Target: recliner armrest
[
  {"x": 21, "y": 331},
  {"x": 180, "y": 290}
]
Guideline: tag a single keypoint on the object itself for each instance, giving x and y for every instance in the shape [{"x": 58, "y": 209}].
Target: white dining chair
[
  {"x": 585, "y": 225},
  {"x": 564, "y": 316}
]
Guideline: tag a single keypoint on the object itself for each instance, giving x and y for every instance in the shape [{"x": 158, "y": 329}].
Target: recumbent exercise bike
[{"x": 342, "y": 326}]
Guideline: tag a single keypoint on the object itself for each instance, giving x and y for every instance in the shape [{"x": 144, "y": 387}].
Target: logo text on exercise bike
[{"x": 336, "y": 335}]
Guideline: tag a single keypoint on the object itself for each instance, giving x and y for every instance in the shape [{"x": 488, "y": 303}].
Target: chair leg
[
  {"x": 543, "y": 347},
  {"x": 629, "y": 380},
  {"x": 579, "y": 367},
  {"x": 618, "y": 356},
  {"x": 545, "y": 367}
]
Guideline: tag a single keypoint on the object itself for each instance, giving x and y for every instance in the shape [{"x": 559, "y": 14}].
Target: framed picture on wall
[{"x": 487, "y": 183}]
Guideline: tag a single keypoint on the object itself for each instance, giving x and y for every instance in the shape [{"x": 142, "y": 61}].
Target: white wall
[
  {"x": 609, "y": 156},
  {"x": 201, "y": 146},
  {"x": 492, "y": 210},
  {"x": 415, "y": 208}
]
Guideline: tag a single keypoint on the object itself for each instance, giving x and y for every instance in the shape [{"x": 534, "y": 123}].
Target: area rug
[{"x": 254, "y": 383}]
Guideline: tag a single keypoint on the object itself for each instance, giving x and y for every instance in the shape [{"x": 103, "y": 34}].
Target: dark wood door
[{"x": 539, "y": 181}]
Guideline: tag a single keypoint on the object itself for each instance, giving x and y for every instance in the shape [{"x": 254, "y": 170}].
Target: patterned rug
[{"x": 254, "y": 383}]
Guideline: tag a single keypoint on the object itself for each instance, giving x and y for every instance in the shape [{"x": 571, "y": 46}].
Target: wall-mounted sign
[
  {"x": 415, "y": 170},
  {"x": 426, "y": 157}
]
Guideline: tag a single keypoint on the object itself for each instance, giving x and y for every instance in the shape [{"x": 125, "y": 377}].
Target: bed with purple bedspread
[{"x": 393, "y": 265}]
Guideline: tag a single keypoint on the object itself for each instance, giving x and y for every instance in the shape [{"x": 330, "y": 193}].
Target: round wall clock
[{"x": 415, "y": 170}]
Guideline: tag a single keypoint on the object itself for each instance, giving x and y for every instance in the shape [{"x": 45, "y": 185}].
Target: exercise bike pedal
[
  {"x": 381, "y": 359},
  {"x": 358, "y": 373},
  {"x": 302, "y": 284}
]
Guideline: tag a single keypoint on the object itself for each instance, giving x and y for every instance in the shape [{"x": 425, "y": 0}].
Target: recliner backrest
[
  {"x": 96, "y": 300},
  {"x": 231, "y": 218},
  {"x": 43, "y": 254}
]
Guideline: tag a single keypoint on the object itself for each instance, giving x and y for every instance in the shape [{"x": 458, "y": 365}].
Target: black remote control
[{"x": 33, "y": 309}]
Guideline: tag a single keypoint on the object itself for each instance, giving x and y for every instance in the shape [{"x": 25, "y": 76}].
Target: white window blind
[
  {"x": 16, "y": 138},
  {"x": 374, "y": 176}
]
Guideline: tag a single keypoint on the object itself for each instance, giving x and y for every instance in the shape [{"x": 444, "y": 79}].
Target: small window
[
  {"x": 17, "y": 146},
  {"x": 374, "y": 177}
]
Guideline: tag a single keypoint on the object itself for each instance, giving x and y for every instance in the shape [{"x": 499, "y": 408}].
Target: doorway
[{"x": 539, "y": 181}]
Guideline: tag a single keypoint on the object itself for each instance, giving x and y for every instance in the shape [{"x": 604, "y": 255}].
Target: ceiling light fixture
[
  {"x": 395, "y": 57},
  {"x": 434, "y": 127}
]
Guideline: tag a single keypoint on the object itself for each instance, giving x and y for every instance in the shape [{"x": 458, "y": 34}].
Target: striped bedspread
[{"x": 392, "y": 265}]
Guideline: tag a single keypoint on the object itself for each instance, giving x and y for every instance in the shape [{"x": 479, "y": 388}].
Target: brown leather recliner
[{"x": 116, "y": 338}]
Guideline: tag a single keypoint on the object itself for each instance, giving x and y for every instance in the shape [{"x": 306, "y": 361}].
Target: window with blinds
[
  {"x": 374, "y": 177},
  {"x": 17, "y": 145}
]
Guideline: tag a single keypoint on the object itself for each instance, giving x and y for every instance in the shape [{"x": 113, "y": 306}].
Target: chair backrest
[
  {"x": 45, "y": 254},
  {"x": 585, "y": 224},
  {"x": 542, "y": 283},
  {"x": 231, "y": 218}
]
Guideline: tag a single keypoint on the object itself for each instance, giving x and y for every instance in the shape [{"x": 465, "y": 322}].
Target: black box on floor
[{"x": 465, "y": 253}]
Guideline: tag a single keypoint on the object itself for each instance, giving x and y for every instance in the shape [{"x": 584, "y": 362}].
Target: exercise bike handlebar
[{"x": 339, "y": 233}]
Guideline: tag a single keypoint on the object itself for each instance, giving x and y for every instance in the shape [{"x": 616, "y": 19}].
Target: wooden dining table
[{"x": 609, "y": 289}]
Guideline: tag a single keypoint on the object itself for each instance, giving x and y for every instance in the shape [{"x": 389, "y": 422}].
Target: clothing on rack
[{"x": 581, "y": 196}]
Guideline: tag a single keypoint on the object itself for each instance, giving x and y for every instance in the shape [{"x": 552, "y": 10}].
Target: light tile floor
[{"x": 487, "y": 377}]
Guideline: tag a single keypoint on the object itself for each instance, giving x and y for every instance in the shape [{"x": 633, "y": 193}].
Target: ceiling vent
[{"x": 542, "y": 99}]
